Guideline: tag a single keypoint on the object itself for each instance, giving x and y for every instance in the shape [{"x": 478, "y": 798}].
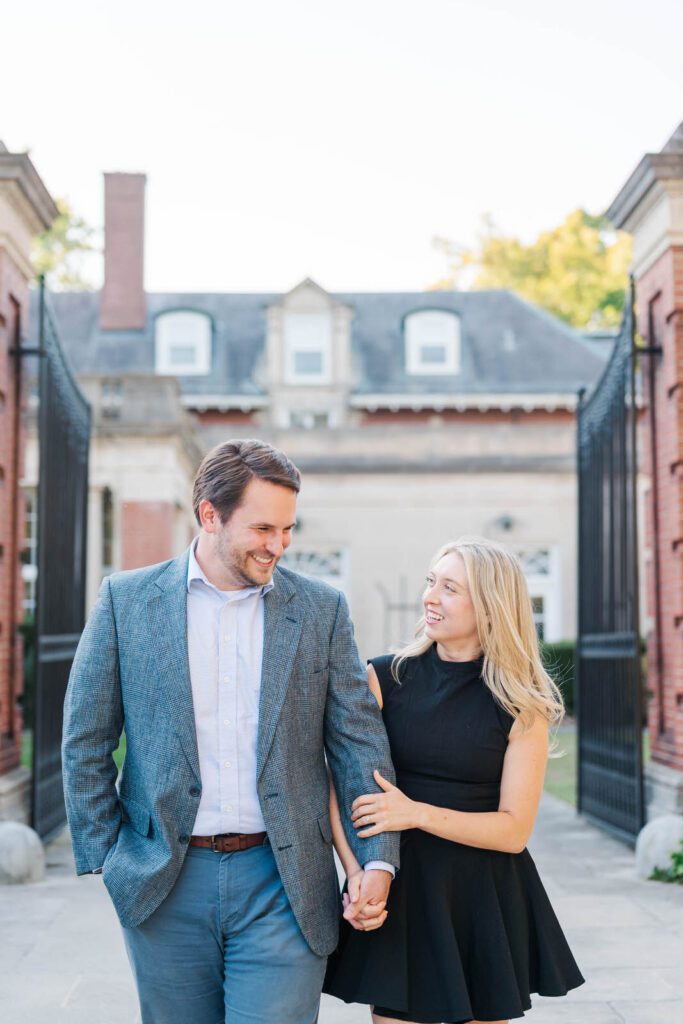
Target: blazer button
[
  {"x": 183, "y": 838},
  {"x": 195, "y": 790}
]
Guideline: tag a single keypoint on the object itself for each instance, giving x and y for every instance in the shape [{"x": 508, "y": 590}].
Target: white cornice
[
  {"x": 35, "y": 202},
  {"x": 224, "y": 403},
  {"x": 18, "y": 257},
  {"x": 656, "y": 224},
  {"x": 503, "y": 402}
]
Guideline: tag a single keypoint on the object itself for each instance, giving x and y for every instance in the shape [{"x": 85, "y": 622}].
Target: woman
[{"x": 467, "y": 705}]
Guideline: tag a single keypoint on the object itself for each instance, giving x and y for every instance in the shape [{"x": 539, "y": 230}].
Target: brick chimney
[{"x": 122, "y": 306}]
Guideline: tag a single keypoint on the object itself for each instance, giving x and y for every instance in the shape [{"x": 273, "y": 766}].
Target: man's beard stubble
[{"x": 236, "y": 563}]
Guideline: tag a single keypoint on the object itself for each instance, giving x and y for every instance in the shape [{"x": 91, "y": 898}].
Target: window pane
[
  {"x": 535, "y": 563},
  {"x": 538, "y": 608},
  {"x": 182, "y": 355},
  {"x": 308, "y": 363},
  {"x": 435, "y": 354}
]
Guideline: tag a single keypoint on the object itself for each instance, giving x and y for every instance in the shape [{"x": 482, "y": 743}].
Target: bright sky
[{"x": 335, "y": 138}]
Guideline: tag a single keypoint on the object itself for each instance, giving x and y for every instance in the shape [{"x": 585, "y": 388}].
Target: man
[{"x": 232, "y": 677}]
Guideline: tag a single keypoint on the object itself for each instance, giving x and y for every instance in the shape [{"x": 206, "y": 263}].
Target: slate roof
[{"x": 508, "y": 345}]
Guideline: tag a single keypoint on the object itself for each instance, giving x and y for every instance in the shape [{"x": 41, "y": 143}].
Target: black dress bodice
[{"x": 447, "y": 733}]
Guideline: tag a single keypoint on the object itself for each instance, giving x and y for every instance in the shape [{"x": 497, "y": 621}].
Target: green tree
[
  {"x": 578, "y": 270},
  {"x": 60, "y": 252}
]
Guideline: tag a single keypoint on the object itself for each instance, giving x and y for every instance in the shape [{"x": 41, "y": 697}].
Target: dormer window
[
  {"x": 432, "y": 342},
  {"x": 183, "y": 343},
  {"x": 308, "y": 344}
]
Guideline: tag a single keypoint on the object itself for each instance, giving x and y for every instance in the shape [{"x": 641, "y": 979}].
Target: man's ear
[{"x": 208, "y": 516}]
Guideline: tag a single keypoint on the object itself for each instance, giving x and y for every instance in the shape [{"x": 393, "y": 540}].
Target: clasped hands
[{"x": 388, "y": 811}]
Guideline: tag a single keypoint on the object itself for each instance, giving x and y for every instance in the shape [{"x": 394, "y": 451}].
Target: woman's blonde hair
[{"x": 513, "y": 670}]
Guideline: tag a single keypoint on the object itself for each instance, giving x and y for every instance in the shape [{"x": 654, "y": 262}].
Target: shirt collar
[{"x": 195, "y": 572}]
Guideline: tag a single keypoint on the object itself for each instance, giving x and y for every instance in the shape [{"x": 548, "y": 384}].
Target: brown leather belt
[{"x": 230, "y": 842}]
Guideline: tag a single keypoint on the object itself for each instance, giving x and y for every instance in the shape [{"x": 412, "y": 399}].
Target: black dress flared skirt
[{"x": 471, "y": 933}]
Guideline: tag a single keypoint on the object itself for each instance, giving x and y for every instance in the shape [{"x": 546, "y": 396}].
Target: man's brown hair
[{"x": 226, "y": 470}]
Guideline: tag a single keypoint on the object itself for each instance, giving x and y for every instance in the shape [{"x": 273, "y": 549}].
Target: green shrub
[
  {"x": 674, "y": 873},
  {"x": 558, "y": 659},
  {"x": 28, "y": 632}
]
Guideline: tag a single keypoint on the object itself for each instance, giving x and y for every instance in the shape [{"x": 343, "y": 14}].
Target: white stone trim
[
  {"x": 223, "y": 403},
  {"x": 548, "y": 402}
]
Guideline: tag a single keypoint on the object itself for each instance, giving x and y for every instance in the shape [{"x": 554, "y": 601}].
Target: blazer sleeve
[
  {"x": 355, "y": 738},
  {"x": 93, "y": 721}
]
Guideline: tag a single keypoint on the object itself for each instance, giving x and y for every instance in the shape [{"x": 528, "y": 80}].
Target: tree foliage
[
  {"x": 60, "y": 253},
  {"x": 578, "y": 271}
]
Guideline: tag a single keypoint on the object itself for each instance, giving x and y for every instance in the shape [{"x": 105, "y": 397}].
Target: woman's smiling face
[{"x": 449, "y": 612}]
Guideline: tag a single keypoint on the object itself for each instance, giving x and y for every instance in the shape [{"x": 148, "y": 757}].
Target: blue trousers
[{"x": 225, "y": 948}]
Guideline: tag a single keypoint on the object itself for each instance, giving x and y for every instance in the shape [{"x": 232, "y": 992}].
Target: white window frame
[
  {"x": 414, "y": 326},
  {"x": 307, "y": 332},
  {"x": 200, "y": 331},
  {"x": 547, "y": 585},
  {"x": 326, "y": 563},
  {"x": 29, "y": 569}
]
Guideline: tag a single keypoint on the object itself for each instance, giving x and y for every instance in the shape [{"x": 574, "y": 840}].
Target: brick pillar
[
  {"x": 147, "y": 533},
  {"x": 650, "y": 206},
  {"x": 123, "y": 304},
  {"x": 26, "y": 208}
]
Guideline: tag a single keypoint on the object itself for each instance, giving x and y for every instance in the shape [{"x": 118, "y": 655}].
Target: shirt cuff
[{"x": 380, "y": 865}]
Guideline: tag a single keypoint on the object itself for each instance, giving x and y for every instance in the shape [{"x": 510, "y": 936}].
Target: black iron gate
[
  {"x": 64, "y": 438},
  {"x": 609, "y": 685}
]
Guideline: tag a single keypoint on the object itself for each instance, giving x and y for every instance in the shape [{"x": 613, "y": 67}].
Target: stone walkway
[{"x": 62, "y": 958}]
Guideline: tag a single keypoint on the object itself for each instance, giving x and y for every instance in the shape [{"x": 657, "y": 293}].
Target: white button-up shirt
[{"x": 225, "y": 648}]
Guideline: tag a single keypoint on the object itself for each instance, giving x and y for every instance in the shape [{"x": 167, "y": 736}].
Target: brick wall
[
  {"x": 13, "y": 314},
  {"x": 659, "y": 295},
  {"x": 147, "y": 533},
  {"x": 123, "y": 304}
]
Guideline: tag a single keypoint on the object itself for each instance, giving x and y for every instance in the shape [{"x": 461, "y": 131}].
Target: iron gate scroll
[
  {"x": 609, "y": 684},
  {"x": 64, "y": 439}
]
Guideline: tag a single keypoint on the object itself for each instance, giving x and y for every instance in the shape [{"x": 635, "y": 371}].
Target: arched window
[
  {"x": 183, "y": 343},
  {"x": 432, "y": 342}
]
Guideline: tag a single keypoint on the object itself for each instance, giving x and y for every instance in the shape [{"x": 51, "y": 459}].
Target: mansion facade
[{"x": 414, "y": 418}]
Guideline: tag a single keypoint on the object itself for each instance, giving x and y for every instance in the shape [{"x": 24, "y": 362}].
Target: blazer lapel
[
  {"x": 281, "y": 630},
  {"x": 167, "y": 613}
]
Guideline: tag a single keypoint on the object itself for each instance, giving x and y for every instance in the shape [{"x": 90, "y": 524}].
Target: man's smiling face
[{"x": 251, "y": 542}]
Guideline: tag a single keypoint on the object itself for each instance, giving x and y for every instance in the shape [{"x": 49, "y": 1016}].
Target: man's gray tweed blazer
[{"x": 131, "y": 671}]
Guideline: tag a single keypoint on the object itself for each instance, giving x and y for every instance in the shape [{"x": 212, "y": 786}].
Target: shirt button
[
  {"x": 227, "y": 764},
  {"x": 228, "y": 807},
  {"x": 226, "y": 637},
  {"x": 194, "y": 790},
  {"x": 226, "y": 679},
  {"x": 183, "y": 838},
  {"x": 226, "y": 721}
]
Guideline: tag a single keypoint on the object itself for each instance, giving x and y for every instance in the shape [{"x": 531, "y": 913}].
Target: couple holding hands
[{"x": 256, "y": 742}]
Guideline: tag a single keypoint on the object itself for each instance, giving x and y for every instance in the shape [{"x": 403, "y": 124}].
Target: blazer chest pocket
[{"x": 135, "y": 815}]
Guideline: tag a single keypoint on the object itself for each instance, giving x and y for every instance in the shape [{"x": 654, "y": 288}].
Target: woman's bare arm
[{"x": 341, "y": 843}]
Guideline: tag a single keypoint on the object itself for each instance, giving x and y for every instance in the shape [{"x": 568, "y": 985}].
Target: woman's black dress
[{"x": 470, "y": 932}]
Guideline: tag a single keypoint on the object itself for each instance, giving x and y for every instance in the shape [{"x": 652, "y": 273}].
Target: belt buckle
[{"x": 213, "y": 845}]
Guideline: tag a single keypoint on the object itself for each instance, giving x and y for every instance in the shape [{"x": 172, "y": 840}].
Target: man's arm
[
  {"x": 93, "y": 721},
  {"x": 355, "y": 738}
]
